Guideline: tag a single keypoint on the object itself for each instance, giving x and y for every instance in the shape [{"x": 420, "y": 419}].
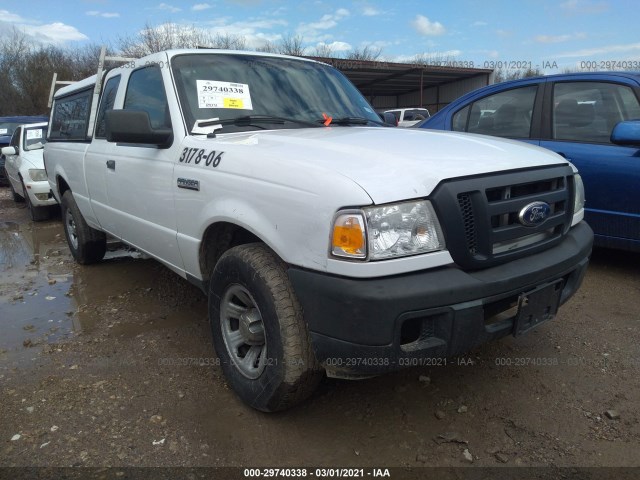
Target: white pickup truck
[{"x": 325, "y": 241}]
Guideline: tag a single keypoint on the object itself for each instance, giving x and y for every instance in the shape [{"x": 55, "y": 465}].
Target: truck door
[
  {"x": 139, "y": 177},
  {"x": 96, "y": 158}
]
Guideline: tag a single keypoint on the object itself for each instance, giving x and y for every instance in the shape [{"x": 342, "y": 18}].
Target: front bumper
[
  {"x": 40, "y": 189},
  {"x": 369, "y": 326}
]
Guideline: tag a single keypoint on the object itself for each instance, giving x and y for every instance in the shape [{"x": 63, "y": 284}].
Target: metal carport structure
[{"x": 396, "y": 85}]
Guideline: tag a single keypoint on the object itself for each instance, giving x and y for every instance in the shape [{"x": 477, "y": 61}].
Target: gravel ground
[{"x": 112, "y": 365}]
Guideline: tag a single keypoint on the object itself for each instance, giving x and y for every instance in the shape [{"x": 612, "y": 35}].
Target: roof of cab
[
  {"x": 74, "y": 87},
  {"x": 175, "y": 52},
  {"x": 88, "y": 82}
]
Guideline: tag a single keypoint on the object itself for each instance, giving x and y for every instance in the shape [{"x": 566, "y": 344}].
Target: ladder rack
[{"x": 98, "y": 85}]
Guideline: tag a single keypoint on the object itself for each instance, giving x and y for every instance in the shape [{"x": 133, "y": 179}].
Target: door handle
[{"x": 111, "y": 164}]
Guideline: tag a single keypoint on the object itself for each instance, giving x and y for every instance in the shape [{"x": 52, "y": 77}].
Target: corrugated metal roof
[{"x": 379, "y": 78}]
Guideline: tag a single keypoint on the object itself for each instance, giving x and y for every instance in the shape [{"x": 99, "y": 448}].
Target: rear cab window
[{"x": 70, "y": 117}]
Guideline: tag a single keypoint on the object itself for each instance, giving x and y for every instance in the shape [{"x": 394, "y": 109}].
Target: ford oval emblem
[{"x": 534, "y": 214}]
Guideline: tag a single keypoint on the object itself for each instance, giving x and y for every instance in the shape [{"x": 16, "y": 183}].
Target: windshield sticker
[
  {"x": 4, "y": 131},
  {"x": 213, "y": 94},
  {"x": 34, "y": 133}
]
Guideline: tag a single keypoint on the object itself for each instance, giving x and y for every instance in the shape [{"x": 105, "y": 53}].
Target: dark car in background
[
  {"x": 7, "y": 127},
  {"x": 591, "y": 119}
]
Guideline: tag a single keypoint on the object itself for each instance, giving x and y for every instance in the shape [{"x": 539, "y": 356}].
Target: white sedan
[{"x": 25, "y": 169}]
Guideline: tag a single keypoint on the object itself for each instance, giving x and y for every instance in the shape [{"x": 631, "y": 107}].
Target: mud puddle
[
  {"x": 45, "y": 298},
  {"x": 34, "y": 301}
]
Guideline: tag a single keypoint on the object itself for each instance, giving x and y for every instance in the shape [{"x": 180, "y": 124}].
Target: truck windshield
[{"x": 228, "y": 86}]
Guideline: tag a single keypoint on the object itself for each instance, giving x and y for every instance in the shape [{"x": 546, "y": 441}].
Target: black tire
[
  {"x": 4, "y": 179},
  {"x": 87, "y": 244},
  {"x": 288, "y": 372},
  {"x": 16, "y": 198},
  {"x": 37, "y": 214}
]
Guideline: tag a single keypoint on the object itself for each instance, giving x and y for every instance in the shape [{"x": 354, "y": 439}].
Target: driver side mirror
[
  {"x": 626, "y": 133},
  {"x": 134, "y": 126}
]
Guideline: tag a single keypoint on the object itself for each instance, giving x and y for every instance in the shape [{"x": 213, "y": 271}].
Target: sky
[{"x": 544, "y": 34}]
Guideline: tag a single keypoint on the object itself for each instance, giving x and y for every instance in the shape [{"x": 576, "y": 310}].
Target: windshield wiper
[{"x": 255, "y": 120}]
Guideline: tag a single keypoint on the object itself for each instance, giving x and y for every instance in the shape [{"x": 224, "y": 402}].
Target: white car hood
[
  {"x": 32, "y": 159},
  {"x": 393, "y": 164}
]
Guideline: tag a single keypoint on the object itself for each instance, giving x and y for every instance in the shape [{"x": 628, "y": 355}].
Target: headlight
[
  {"x": 388, "y": 231},
  {"x": 578, "y": 200},
  {"x": 37, "y": 175}
]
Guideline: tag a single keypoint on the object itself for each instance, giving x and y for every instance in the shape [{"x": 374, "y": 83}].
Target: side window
[
  {"x": 108, "y": 99},
  {"x": 70, "y": 117},
  {"x": 396, "y": 113},
  {"x": 630, "y": 104},
  {"x": 145, "y": 92},
  {"x": 420, "y": 114},
  {"x": 504, "y": 114},
  {"x": 15, "y": 138},
  {"x": 588, "y": 111},
  {"x": 459, "y": 121},
  {"x": 409, "y": 115}
]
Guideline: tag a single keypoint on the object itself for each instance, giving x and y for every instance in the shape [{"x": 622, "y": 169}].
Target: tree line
[
  {"x": 26, "y": 70},
  {"x": 27, "y": 67}
]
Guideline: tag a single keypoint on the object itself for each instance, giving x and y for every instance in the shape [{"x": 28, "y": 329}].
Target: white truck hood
[{"x": 393, "y": 164}]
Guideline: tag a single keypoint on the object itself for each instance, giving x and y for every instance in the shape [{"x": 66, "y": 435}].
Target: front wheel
[
  {"x": 258, "y": 330},
  {"x": 87, "y": 244},
  {"x": 37, "y": 214}
]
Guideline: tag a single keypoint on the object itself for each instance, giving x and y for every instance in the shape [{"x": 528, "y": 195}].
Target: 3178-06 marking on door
[{"x": 198, "y": 155}]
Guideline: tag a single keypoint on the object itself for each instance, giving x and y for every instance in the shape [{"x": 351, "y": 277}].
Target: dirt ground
[{"x": 112, "y": 365}]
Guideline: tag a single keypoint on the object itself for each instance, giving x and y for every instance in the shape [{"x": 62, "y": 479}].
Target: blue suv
[{"x": 591, "y": 119}]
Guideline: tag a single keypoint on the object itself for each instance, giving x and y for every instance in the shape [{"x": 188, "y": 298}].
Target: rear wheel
[
  {"x": 87, "y": 244},
  {"x": 38, "y": 214},
  {"x": 258, "y": 330}
]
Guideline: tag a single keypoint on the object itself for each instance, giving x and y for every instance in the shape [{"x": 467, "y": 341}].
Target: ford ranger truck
[{"x": 327, "y": 243}]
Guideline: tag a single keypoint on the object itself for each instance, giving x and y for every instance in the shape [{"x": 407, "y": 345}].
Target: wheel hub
[
  {"x": 251, "y": 327},
  {"x": 71, "y": 229},
  {"x": 243, "y": 331}
]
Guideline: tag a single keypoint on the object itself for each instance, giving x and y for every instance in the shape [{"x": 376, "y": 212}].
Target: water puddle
[
  {"x": 45, "y": 297},
  {"x": 34, "y": 304}
]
